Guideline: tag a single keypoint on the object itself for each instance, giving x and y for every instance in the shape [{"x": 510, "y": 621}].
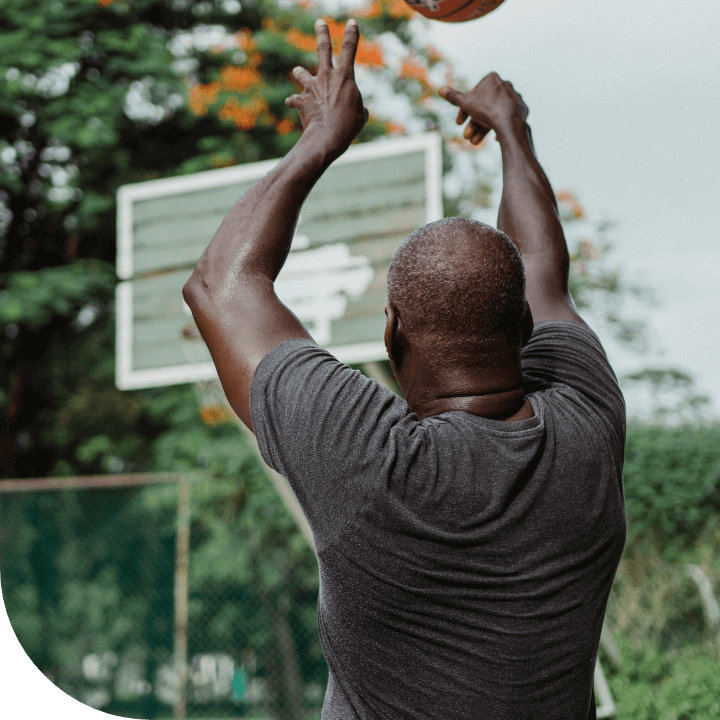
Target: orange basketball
[{"x": 453, "y": 10}]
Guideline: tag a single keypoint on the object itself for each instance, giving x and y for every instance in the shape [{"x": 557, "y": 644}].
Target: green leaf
[{"x": 93, "y": 448}]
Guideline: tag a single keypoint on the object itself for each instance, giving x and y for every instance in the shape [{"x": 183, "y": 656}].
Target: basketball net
[{"x": 210, "y": 395}]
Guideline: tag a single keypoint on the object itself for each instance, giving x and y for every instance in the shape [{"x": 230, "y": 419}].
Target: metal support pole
[
  {"x": 607, "y": 643},
  {"x": 607, "y": 708},
  {"x": 711, "y": 609},
  {"x": 182, "y": 550},
  {"x": 282, "y": 486}
]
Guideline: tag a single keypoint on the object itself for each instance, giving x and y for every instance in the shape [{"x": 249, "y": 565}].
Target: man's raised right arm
[{"x": 528, "y": 211}]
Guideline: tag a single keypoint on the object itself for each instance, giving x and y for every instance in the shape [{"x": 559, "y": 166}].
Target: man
[{"x": 467, "y": 536}]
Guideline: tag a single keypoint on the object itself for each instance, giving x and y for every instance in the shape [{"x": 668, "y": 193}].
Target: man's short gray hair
[{"x": 456, "y": 284}]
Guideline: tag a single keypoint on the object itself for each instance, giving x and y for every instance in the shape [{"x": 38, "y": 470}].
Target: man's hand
[
  {"x": 492, "y": 104},
  {"x": 330, "y": 104}
]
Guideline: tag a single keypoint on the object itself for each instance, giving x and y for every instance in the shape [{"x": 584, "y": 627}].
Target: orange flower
[
  {"x": 569, "y": 198},
  {"x": 245, "y": 40},
  {"x": 369, "y": 53},
  {"x": 242, "y": 117},
  {"x": 377, "y": 8},
  {"x": 245, "y": 116},
  {"x": 434, "y": 55},
  {"x": 254, "y": 59},
  {"x": 214, "y": 415},
  {"x": 394, "y": 128},
  {"x": 228, "y": 108},
  {"x": 239, "y": 79},
  {"x": 284, "y": 126},
  {"x": 398, "y": 9},
  {"x": 588, "y": 251},
  {"x": 200, "y": 96},
  {"x": 258, "y": 104},
  {"x": 413, "y": 71},
  {"x": 337, "y": 33},
  {"x": 268, "y": 24},
  {"x": 299, "y": 40},
  {"x": 104, "y": 3}
]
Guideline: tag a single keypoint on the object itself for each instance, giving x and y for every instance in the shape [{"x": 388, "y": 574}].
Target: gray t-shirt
[{"x": 465, "y": 563}]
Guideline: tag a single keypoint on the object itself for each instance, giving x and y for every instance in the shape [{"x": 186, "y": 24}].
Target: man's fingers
[
  {"x": 302, "y": 75},
  {"x": 324, "y": 45},
  {"x": 349, "y": 46},
  {"x": 454, "y": 97},
  {"x": 475, "y": 132},
  {"x": 480, "y": 131},
  {"x": 293, "y": 102}
]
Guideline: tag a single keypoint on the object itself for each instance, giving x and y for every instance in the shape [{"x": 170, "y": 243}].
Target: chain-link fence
[
  {"x": 152, "y": 596},
  {"x": 143, "y": 596}
]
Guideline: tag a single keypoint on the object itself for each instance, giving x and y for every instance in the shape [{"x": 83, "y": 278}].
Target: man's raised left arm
[{"x": 231, "y": 291}]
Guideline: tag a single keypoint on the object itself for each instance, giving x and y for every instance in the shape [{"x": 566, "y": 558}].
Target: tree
[
  {"x": 672, "y": 396},
  {"x": 99, "y": 94}
]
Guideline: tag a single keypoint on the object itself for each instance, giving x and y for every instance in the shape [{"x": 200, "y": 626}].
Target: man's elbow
[{"x": 193, "y": 289}]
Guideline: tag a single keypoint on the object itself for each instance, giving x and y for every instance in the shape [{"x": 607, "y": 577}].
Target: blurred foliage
[
  {"x": 672, "y": 483},
  {"x": 658, "y": 686},
  {"x": 669, "y": 646},
  {"x": 97, "y": 95},
  {"x": 596, "y": 283},
  {"x": 672, "y": 395}
]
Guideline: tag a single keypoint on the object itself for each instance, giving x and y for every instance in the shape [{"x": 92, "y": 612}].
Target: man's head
[{"x": 456, "y": 292}]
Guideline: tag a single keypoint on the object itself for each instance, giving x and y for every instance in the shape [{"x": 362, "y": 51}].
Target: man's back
[{"x": 465, "y": 563}]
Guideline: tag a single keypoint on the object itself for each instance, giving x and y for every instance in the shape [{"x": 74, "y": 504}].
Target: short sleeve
[
  {"x": 325, "y": 427},
  {"x": 566, "y": 353}
]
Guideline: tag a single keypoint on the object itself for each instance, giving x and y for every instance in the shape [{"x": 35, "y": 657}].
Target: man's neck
[
  {"x": 490, "y": 385},
  {"x": 492, "y": 390},
  {"x": 508, "y": 405}
]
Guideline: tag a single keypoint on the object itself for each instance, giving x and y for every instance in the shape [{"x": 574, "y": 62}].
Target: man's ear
[
  {"x": 393, "y": 341},
  {"x": 527, "y": 325}
]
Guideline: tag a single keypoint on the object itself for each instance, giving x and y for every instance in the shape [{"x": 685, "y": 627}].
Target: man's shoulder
[{"x": 567, "y": 358}]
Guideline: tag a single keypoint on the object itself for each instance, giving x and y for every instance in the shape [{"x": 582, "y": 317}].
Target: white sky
[{"x": 624, "y": 102}]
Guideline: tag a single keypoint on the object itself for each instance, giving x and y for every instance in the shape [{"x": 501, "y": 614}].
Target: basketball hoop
[{"x": 210, "y": 395}]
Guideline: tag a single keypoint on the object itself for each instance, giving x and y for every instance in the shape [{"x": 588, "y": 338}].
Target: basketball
[{"x": 453, "y": 10}]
